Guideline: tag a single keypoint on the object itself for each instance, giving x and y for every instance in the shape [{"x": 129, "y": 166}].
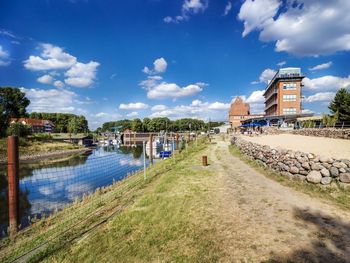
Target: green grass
[
  {"x": 161, "y": 219},
  {"x": 335, "y": 193},
  {"x": 32, "y": 146}
]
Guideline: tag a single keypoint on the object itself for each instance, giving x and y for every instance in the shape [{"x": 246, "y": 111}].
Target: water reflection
[{"x": 47, "y": 186}]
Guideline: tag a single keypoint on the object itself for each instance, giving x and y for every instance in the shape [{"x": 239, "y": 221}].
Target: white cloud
[
  {"x": 51, "y": 58},
  {"x": 197, "y": 109},
  {"x": 171, "y": 90},
  {"x": 320, "y": 96},
  {"x": 327, "y": 83},
  {"x": 303, "y": 27},
  {"x": 4, "y": 57},
  {"x": 256, "y": 96},
  {"x": 228, "y": 8},
  {"x": 255, "y": 14},
  {"x": 159, "y": 66},
  {"x": 282, "y": 63},
  {"x": 45, "y": 79},
  {"x": 101, "y": 114},
  {"x": 58, "y": 84},
  {"x": 219, "y": 106},
  {"x": 321, "y": 66},
  {"x": 132, "y": 114},
  {"x": 266, "y": 76},
  {"x": 159, "y": 107},
  {"x": 81, "y": 75},
  {"x": 133, "y": 106},
  {"x": 189, "y": 7},
  {"x": 52, "y": 100},
  {"x": 150, "y": 82}
]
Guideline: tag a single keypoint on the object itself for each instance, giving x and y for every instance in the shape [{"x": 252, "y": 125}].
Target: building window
[
  {"x": 289, "y": 111},
  {"x": 290, "y": 97},
  {"x": 289, "y": 86}
]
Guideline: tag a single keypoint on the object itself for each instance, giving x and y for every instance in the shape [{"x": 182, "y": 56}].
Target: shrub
[{"x": 19, "y": 129}]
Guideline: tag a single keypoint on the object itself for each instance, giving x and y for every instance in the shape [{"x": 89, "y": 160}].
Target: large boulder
[
  {"x": 326, "y": 180},
  {"x": 316, "y": 166},
  {"x": 294, "y": 170},
  {"x": 334, "y": 172},
  {"x": 314, "y": 177},
  {"x": 345, "y": 178},
  {"x": 325, "y": 172}
]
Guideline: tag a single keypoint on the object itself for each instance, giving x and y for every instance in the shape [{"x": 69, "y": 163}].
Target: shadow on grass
[{"x": 330, "y": 240}]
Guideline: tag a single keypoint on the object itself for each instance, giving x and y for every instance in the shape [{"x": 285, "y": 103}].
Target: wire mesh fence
[
  {"x": 48, "y": 187},
  {"x": 91, "y": 190}
]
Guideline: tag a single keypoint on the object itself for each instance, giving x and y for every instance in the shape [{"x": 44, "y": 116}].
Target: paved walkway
[{"x": 261, "y": 220}]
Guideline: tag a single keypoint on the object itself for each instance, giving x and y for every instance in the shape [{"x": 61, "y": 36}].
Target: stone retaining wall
[
  {"x": 324, "y": 132},
  {"x": 298, "y": 165}
]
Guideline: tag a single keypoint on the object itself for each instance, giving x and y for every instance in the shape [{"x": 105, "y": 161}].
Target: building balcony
[
  {"x": 270, "y": 94},
  {"x": 270, "y": 104}
]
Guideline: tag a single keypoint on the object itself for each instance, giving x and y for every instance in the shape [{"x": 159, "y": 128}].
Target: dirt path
[{"x": 260, "y": 220}]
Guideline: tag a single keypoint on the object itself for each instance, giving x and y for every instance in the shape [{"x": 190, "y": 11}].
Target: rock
[
  {"x": 302, "y": 159},
  {"x": 342, "y": 170},
  {"x": 345, "y": 178},
  {"x": 287, "y": 174},
  {"x": 300, "y": 177},
  {"x": 334, "y": 171},
  {"x": 303, "y": 172},
  {"x": 326, "y": 180},
  {"x": 306, "y": 165},
  {"x": 314, "y": 177},
  {"x": 316, "y": 166},
  {"x": 294, "y": 170},
  {"x": 325, "y": 172},
  {"x": 325, "y": 159},
  {"x": 347, "y": 162},
  {"x": 340, "y": 165},
  {"x": 326, "y": 165},
  {"x": 310, "y": 156}
]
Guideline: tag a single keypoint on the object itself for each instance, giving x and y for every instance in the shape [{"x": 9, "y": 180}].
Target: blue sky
[{"x": 110, "y": 60}]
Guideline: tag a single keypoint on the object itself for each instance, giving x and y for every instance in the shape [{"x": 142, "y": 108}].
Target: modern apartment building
[{"x": 283, "y": 93}]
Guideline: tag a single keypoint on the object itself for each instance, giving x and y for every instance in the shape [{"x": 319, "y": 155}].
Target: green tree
[
  {"x": 341, "y": 105},
  {"x": 73, "y": 125},
  {"x": 13, "y": 104},
  {"x": 137, "y": 125}
]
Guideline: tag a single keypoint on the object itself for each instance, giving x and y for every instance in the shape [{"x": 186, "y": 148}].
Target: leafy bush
[
  {"x": 19, "y": 129},
  {"x": 43, "y": 137}
]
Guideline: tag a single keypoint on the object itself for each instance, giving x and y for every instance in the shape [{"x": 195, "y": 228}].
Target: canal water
[{"x": 51, "y": 185}]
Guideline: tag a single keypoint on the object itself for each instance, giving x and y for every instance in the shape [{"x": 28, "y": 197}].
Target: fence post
[
  {"x": 151, "y": 148},
  {"x": 174, "y": 150},
  {"x": 13, "y": 183},
  {"x": 144, "y": 160}
]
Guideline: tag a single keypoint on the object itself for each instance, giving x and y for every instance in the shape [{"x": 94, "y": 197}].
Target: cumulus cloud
[
  {"x": 256, "y": 14},
  {"x": 265, "y": 76},
  {"x": 58, "y": 84},
  {"x": 52, "y": 100},
  {"x": 321, "y": 66},
  {"x": 4, "y": 57},
  {"x": 159, "y": 66},
  {"x": 303, "y": 27},
  {"x": 171, "y": 90},
  {"x": 132, "y": 114},
  {"x": 189, "y": 7},
  {"x": 197, "y": 109},
  {"x": 51, "y": 58},
  {"x": 325, "y": 83},
  {"x": 45, "y": 79},
  {"x": 133, "y": 106},
  {"x": 159, "y": 107},
  {"x": 81, "y": 75},
  {"x": 320, "y": 96},
  {"x": 256, "y": 96}
]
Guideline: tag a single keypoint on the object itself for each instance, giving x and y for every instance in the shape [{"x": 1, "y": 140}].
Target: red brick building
[{"x": 239, "y": 111}]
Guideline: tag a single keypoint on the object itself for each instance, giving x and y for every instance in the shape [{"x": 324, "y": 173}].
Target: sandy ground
[
  {"x": 260, "y": 220},
  {"x": 336, "y": 148}
]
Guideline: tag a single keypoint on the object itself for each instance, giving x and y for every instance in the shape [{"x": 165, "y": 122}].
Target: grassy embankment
[
  {"x": 162, "y": 219},
  {"x": 33, "y": 145},
  {"x": 336, "y": 193}
]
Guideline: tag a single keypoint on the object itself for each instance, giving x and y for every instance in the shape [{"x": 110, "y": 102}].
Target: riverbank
[
  {"x": 39, "y": 150},
  {"x": 184, "y": 212}
]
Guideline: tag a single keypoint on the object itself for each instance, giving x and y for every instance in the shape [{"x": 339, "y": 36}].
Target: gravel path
[
  {"x": 328, "y": 147},
  {"x": 260, "y": 220}
]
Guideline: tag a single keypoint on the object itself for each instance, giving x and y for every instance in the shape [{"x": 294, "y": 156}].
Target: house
[
  {"x": 239, "y": 112},
  {"x": 37, "y": 126}
]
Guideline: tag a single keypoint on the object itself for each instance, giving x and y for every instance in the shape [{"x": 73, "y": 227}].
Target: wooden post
[
  {"x": 13, "y": 183},
  {"x": 177, "y": 141},
  {"x": 205, "y": 160},
  {"x": 151, "y": 148}
]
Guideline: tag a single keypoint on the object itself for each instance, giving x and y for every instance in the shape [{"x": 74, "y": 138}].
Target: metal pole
[
  {"x": 144, "y": 160},
  {"x": 13, "y": 182},
  {"x": 174, "y": 150},
  {"x": 151, "y": 148}
]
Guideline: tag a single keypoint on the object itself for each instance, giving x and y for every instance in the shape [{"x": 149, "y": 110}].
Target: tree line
[
  {"x": 158, "y": 124},
  {"x": 13, "y": 104}
]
